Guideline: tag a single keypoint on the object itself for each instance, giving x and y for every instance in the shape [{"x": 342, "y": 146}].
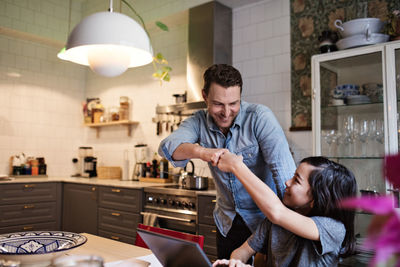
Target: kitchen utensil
[
  {"x": 362, "y": 26},
  {"x": 195, "y": 182}
]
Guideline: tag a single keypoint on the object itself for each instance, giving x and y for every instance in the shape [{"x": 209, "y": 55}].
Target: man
[{"x": 250, "y": 130}]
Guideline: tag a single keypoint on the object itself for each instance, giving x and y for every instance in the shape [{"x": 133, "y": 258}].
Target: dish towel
[{"x": 150, "y": 219}]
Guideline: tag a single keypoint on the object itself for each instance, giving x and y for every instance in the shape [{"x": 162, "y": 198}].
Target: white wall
[
  {"x": 40, "y": 112},
  {"x": 261, "y": 51}
]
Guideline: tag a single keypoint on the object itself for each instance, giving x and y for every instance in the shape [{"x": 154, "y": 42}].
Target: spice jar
[
  {"x": 124, "y": 108},
  {"x": 114, "y": 113},
  {"x": 97, "y": 112}
]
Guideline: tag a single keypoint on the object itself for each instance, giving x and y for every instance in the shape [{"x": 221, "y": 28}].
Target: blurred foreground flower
[{"x": 384, "y": 230}]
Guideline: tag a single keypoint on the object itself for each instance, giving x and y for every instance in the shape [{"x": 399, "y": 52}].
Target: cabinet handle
[
  {"x": 115, "y": 214},
  {"x": 213, "y": 201},
  {"x": 29, "y": 186},
  {"x": 26, "y": 228},
  {"x": 213, "y": 231},
  {"x": 93, "y": 189},
  {"x": 115, "y": 190},
  {"x": 114, "y": 237},
  {"x": 30, "y": 206}
]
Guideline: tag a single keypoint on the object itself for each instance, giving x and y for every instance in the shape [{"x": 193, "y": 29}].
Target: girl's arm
[
  {"x": 238, "y": 257},
  {"x": 267, "y": 200}
]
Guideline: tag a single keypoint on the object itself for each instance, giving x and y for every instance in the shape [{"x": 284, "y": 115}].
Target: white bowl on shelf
[
  {"x": 361, "y": 40},
  {"x": 359, "y": 26}
]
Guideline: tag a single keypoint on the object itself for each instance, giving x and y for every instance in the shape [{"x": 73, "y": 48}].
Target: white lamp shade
[{"x": 109, "y": 43}]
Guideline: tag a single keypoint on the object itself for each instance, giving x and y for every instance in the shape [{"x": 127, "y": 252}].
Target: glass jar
[
  {"x": 124, "y": 108},
  {"x": 114, "y": 113}
]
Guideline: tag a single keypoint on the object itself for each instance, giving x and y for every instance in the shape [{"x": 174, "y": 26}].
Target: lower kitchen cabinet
[
  {"x": 80, "y": 208},
  {"x": 30, "y": 207},
  {"x": 206, "y": 225},
  {"x": 119, "y": 213}
]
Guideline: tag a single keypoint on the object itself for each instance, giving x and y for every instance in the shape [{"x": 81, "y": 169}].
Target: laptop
[{"x": 174, "y": 252}]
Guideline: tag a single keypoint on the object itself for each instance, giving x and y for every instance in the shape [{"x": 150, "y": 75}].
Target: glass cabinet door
[{"x": 352, "y": 121}]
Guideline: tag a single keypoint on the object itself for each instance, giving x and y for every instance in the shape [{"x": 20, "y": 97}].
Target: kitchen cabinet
[
  {"x": 119, "y": 213},
  {"x": 358, "y": 131},
  {"x": 30, "y": 207},
  {"x": 98, "y": 126},
  {"x": 80, "y": 208},
  {"x": 206, "y": 225}
]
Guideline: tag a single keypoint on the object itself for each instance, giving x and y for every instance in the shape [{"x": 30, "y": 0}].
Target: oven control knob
[
  {"x": 156, "y": 200},
  {"x": 178, "y": 203},
  {"x": 171, "y": 202},
  {"x": 185, "y": 205},
  {"x": 191, "y": 205},
  {"x": 163, "y": 201}
]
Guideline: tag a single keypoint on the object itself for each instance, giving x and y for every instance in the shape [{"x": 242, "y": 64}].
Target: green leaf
[
  {"x": 162, "y": 26},
  {"x": 167, "y": 78},
  {"x": 167, "y": 68},
  {"x": 160, "y": 56}
]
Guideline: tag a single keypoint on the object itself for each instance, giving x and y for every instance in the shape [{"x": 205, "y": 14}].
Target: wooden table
[{"x": 110, "y": 250}]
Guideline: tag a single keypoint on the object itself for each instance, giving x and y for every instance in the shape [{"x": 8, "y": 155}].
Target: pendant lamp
[{"x": 109, "y": 43}]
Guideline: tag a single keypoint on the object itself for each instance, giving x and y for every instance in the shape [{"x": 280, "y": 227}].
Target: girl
[{"x": 307, "y": 228}]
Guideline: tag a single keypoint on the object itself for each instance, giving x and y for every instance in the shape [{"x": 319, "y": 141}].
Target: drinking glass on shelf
[
  {"x": 331, "y": 138},
  {"x": 348, "y": 135},
  {"x": 363, "y": 134}
]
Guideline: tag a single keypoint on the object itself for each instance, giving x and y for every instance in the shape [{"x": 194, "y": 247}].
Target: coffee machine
[
  {"x": 85, "y": 165},
  {"x": 90, "y": 164}
]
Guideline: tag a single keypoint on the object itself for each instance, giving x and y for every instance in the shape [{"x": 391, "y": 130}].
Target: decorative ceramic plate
[{"x": 38, "y": 246}]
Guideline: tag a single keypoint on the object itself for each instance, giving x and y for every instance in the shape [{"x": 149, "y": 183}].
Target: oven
[{"x": 175, "y": 207}]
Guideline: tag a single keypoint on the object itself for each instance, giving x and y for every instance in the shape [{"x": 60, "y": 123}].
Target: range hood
[{"x": 209, "y": 42}]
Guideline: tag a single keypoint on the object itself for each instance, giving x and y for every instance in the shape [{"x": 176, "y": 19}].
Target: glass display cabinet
[{"x": 355, "y": 105}]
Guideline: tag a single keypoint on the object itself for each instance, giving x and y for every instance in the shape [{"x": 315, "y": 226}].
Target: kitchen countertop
[
  {"x": 95, "y": 181},
  {"x": 110, "y": 250}
]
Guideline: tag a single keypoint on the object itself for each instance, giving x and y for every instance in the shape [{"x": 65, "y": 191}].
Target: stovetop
[{"x": 173, "y": 189}]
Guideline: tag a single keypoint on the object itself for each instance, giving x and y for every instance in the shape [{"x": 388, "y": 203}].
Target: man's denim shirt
[{"x": 257, "y": 136}]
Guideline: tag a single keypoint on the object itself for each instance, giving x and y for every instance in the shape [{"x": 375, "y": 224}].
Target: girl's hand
[
  {"x": 228, "y": 161},
  {"x": 230, "y": 263}
]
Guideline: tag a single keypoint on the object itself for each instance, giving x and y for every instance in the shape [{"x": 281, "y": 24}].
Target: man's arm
[{"x": 195, "y": 151}]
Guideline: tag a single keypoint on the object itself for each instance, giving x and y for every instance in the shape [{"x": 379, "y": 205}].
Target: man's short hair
[{"x": 222, "y": 74}]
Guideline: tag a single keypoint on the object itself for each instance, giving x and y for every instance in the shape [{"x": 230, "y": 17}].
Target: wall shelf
[{"x": 98, "y": 126}]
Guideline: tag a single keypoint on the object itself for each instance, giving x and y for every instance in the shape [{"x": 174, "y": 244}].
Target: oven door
[{"x": 177, "y": 221}]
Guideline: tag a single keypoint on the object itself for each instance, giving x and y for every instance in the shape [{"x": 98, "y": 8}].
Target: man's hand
[
  {"x": 212, "y": 154},
  {"x": 230, "y": 263},
  {"x": 229, "y": 161}
]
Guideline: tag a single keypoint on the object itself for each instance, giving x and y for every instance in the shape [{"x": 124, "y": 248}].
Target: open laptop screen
[{"x": 174, "y": 252}]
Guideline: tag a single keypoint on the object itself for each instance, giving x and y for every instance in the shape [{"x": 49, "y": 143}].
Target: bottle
[
  {"x": 154, "y": 165},
  {"x": 148, "y": 170},
  {"x": 164, "y": 168}
]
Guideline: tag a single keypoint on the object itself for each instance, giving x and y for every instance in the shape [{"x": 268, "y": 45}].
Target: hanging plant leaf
[{"x": 162, "y": 26}]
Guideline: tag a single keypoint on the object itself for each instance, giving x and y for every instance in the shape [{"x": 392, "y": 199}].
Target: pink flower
[{"x": 384, "y": 231}]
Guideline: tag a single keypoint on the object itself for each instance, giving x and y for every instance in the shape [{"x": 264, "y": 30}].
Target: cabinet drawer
[
  {"x": 118, "y": 221},
  {"x": 27, "y": 192},
  {"x": 120, "y": 199},
  {"x": 117, "y": 236},
  {"x": 205, "y": 208},
  {"x": 27, "y": 213},
  {"x": 210, "y": 239},
  {"x": 48, "y": 226}
]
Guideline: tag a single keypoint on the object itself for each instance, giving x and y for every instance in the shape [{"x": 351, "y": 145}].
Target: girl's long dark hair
[{"x": 330, "y": 183}]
